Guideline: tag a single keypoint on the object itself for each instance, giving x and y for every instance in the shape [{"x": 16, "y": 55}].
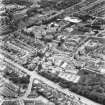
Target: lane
[
  {"x": 29, "y": 88},
  {"x": 52, "y": 84}
]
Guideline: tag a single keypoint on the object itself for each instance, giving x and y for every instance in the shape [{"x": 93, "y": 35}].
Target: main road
[{"x": 34, "y": 74}]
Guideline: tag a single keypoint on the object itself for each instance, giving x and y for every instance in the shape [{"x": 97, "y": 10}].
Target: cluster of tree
[
  {"x": 91, "y": 85},
  {"x": 58, "y": 4},
  {"x": 7, "y": 22},
  {"x": 11, "y": 18},
  {"x": 19, "y": 2},
  {"x": 33, "y": 10},
  {"x": 63, "y": 4},
  {"x": 49, "y": 75},
  {"x": 14, "y": 77}
]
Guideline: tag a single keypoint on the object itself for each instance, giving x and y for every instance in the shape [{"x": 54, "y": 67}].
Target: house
[{"x": 72, "y": 19}]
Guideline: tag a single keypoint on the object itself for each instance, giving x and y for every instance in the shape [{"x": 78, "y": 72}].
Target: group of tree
[
  {"x": 19, "y": 2},
  {"x": 15, "y": 78},
  {"x": 58, "y": 4}
]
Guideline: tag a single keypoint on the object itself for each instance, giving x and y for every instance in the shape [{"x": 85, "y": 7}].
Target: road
[
  {"x": 29, "y": 87},
  {"x": 52, "y": 84}
]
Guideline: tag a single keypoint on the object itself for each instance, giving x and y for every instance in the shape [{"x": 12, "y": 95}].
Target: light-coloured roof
[{"x": 72, "y": 19}]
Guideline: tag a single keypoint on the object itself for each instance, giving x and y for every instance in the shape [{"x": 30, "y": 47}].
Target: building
[{"x": 69, "y": 77}]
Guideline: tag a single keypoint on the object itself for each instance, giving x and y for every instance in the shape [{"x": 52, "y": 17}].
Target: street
[{"x": 50, "y": 83}]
